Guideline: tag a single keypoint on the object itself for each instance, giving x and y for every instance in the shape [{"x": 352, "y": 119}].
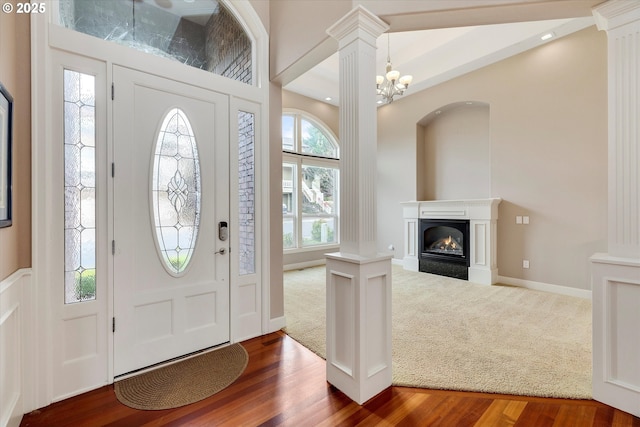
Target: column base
[
  {"x": 615, "y": 283},
  {"x": 359, "y": 324}
]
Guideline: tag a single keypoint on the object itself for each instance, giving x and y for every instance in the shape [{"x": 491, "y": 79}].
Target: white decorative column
[
  {"x": 616, "y": 274},
  {"x": 358, "y": 278}
]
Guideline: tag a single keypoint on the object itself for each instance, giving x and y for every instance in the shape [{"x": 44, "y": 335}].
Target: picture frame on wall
[{"x": 6, "y": 128}]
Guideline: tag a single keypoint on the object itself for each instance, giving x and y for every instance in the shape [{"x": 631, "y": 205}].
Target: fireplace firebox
[{"x": 444, "y": 247}]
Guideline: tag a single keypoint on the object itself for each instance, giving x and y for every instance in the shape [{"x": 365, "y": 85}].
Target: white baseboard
[
  {"x": 306, "y": 264},
  {"x": 546, "y": 287},
  {"x": 396, "y": 261}
]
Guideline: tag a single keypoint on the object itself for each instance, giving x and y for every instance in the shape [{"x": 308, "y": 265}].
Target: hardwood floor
[{"x": 284, "y": 384}]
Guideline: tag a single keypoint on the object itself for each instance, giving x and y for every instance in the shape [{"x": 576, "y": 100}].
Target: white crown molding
[
  {"x": 616, "y": 13},
  {"x": 358, "y": 23}
]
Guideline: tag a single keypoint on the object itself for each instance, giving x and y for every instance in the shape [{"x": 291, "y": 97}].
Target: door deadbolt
[{"x": 223, "y": 230}]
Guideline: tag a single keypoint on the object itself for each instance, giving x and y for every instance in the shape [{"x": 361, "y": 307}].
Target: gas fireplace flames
[{"x": 446, "y": 245}]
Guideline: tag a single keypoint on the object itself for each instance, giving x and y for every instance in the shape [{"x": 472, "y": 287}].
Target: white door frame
[{"x": 41, "y": 386}]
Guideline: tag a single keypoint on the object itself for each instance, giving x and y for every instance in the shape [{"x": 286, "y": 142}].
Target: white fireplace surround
[{"x": 482, "y": 215}]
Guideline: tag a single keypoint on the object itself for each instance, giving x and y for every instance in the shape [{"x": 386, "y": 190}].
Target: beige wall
[
  {"x": 298, "y": 38},
  {"x": 327, "y": 113},
  {"x": 276, "y": 293},
  {"x": 457, "y": 151},
  {"x": 548, "y": 130},
  {"x": 15, "y": 241}
]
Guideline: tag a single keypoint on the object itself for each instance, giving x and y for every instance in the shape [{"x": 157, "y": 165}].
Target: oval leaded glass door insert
[{"x": 175, "y": 188}]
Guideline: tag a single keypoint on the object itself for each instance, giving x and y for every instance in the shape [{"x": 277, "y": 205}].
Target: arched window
[{"x": 310, "y": 182}]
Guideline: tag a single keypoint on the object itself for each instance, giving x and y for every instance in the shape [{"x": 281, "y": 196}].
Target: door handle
[{"x": 222, "y": 251}]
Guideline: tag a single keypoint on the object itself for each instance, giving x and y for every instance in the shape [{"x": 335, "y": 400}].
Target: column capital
[
  {"x": 616, "y": 13},
  {"x": 359, "y": 23}
]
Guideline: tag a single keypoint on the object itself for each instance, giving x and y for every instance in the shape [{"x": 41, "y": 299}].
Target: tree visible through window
[{"x": 310, "y": 183}]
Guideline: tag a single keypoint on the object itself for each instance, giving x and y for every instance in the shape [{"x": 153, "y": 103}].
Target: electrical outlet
[{"x": 525, "y": 263}]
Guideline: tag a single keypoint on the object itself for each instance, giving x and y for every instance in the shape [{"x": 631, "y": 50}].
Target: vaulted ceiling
[
  {"x": 436, "y": 40},
  {"x": 434, "y": 56}
]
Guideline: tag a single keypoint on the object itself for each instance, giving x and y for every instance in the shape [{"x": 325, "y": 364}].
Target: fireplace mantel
[{"x": 482, "y": 215}]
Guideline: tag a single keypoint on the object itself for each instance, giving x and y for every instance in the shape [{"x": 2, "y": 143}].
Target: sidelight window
[
  {"x": 247, "y": 193},
  {"x": 79, "y": 187}
]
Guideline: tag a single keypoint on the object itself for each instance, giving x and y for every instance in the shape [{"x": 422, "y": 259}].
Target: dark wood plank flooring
[{"x": 284, "y": 384}]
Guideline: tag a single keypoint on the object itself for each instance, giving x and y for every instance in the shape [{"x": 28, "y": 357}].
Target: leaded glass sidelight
[
  {"x": 175, "y": 187},
  {"x": 79, "y": 187},
  {"x": 246, "y": 188}
]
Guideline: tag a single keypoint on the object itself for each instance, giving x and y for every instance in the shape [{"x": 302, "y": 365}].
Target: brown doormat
[{"x": 184, "y": 382}]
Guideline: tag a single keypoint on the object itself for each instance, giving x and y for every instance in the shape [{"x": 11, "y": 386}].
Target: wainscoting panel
[
  {"x": 246, "y": 309},
  {"x": 377, "y": 332},
  {"x": 12, "y": 347},
  {"x": 622, "y": 299},
  {"x": 341, "y": 327}
]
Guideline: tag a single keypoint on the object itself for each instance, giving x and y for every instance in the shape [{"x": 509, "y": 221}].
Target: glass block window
[
  {"x": 203, "y": 34},
  {"x": 176, "y": 191},
  {"x": 246, "y": 189},
  {"x": 310, "y": 183},
  {"x": 79, "y": 187}
]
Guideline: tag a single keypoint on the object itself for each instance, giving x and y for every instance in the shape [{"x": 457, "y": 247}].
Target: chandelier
[{"x": 391, "y": 84}]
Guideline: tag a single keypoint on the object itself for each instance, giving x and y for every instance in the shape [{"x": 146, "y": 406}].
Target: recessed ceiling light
[
  {"x": 328, "y": 98},
  {"x": 547, "y": 36}
]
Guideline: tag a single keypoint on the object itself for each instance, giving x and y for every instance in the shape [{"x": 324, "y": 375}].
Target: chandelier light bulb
[
  {"x": 379, "y": 80},
  {"x": 393, "y": 75},
  {"x": 406, "y": 80}
]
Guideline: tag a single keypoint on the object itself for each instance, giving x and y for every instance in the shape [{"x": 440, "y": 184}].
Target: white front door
[{"x": 170, "y": 206}]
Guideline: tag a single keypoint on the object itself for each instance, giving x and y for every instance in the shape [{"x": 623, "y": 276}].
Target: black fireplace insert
[{"x": 444, "y": 247}]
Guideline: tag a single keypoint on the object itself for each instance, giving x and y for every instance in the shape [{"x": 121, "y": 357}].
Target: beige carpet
[
  {"x": 184, "y": 382},
  {"x": 455, "y": 335}
]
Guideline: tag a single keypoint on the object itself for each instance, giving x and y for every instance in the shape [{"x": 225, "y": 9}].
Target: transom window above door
[
  {"x": 310, "y": 183},
  {"x": 203, "y": 34}
]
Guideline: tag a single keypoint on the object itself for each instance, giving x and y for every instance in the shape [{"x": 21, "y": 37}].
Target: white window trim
[{"x": 300, "y": 159}]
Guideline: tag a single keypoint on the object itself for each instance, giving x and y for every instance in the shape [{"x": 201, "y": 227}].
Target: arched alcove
[{"x": 453, "y": 152}]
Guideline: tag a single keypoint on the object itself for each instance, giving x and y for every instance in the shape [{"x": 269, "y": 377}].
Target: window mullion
[{"x": 299, "y": 196}]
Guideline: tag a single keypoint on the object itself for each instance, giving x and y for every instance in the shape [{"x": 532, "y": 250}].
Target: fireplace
[
  {"x": 444, "y": 247},
  {"x": 475, "y": 219}
]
